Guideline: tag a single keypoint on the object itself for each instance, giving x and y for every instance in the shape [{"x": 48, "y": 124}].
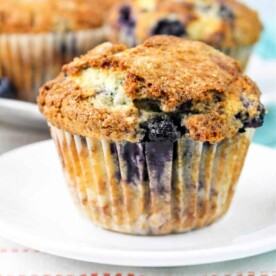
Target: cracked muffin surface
[
  {"x": 220, "y": 23},
  {"x": 164, "y": 89}
]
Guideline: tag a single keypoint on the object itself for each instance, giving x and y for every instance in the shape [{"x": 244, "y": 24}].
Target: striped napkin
[{"x": 16, "y": 260}]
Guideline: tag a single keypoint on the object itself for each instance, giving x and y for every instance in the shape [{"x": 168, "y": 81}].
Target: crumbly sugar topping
[{"x": 164, "y": 89}]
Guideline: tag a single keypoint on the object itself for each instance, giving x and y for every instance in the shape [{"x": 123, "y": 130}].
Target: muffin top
[
  {"x": 164, "y": 89},
  {"x": 39, "y": 16},
  {"x": 220, "y": 23}
]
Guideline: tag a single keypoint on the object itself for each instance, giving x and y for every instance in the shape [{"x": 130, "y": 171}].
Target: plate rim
[
  {"x": 131, "y": 258},
  {"x": 28, "y": 113}
]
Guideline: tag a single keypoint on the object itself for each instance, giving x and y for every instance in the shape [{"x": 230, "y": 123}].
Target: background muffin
[
  {"x": 38, "y": 37},
  {"x": 152, "y": 139},
  {"x": 224, "y": 24}
]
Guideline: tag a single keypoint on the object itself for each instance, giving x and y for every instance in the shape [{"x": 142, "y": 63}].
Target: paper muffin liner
[
  {"x": 152, "y": 188},
  {"x": 241, "y": 54},
  {"x": 29, "y": 60}
]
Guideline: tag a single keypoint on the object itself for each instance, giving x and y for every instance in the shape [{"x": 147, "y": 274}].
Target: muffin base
[
  {"x": 29, "y": 60},
  {"x": 151, "y": 188}
]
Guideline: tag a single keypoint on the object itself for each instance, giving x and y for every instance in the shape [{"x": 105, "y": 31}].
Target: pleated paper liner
[
  {"x": 151, "y": 188},
  {"x": 241, "y": 54},
  {"x": 29, "y": 60}
]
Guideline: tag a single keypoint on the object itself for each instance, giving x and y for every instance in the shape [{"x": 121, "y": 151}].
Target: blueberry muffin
[
  {"x": 38, "y": 37},
  {"x": 224, "y": 24},
  {"x": 152, "y": 139}
]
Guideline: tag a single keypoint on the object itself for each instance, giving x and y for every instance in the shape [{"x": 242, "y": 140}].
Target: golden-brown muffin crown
[{"x": 184, "y": 87}]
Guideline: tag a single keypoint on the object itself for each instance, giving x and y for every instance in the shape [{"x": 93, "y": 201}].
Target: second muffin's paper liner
[
  {"x": 151, "y": 188},
  {"x": 241, "y": 54},
  {"x": 29, "y": 60}
]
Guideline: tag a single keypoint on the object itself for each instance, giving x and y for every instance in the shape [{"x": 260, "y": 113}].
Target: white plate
[
  {"x": 36, "y": 211},
  {"x": 21, "y": 113}
]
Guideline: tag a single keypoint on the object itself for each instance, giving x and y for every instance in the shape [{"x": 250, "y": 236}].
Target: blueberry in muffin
[
  {"x": 6, "y": 89},
  {"x": 169, "y": 27},
  {"x": 125, "y": 16},
  {"x": 160, "y": 129}
]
